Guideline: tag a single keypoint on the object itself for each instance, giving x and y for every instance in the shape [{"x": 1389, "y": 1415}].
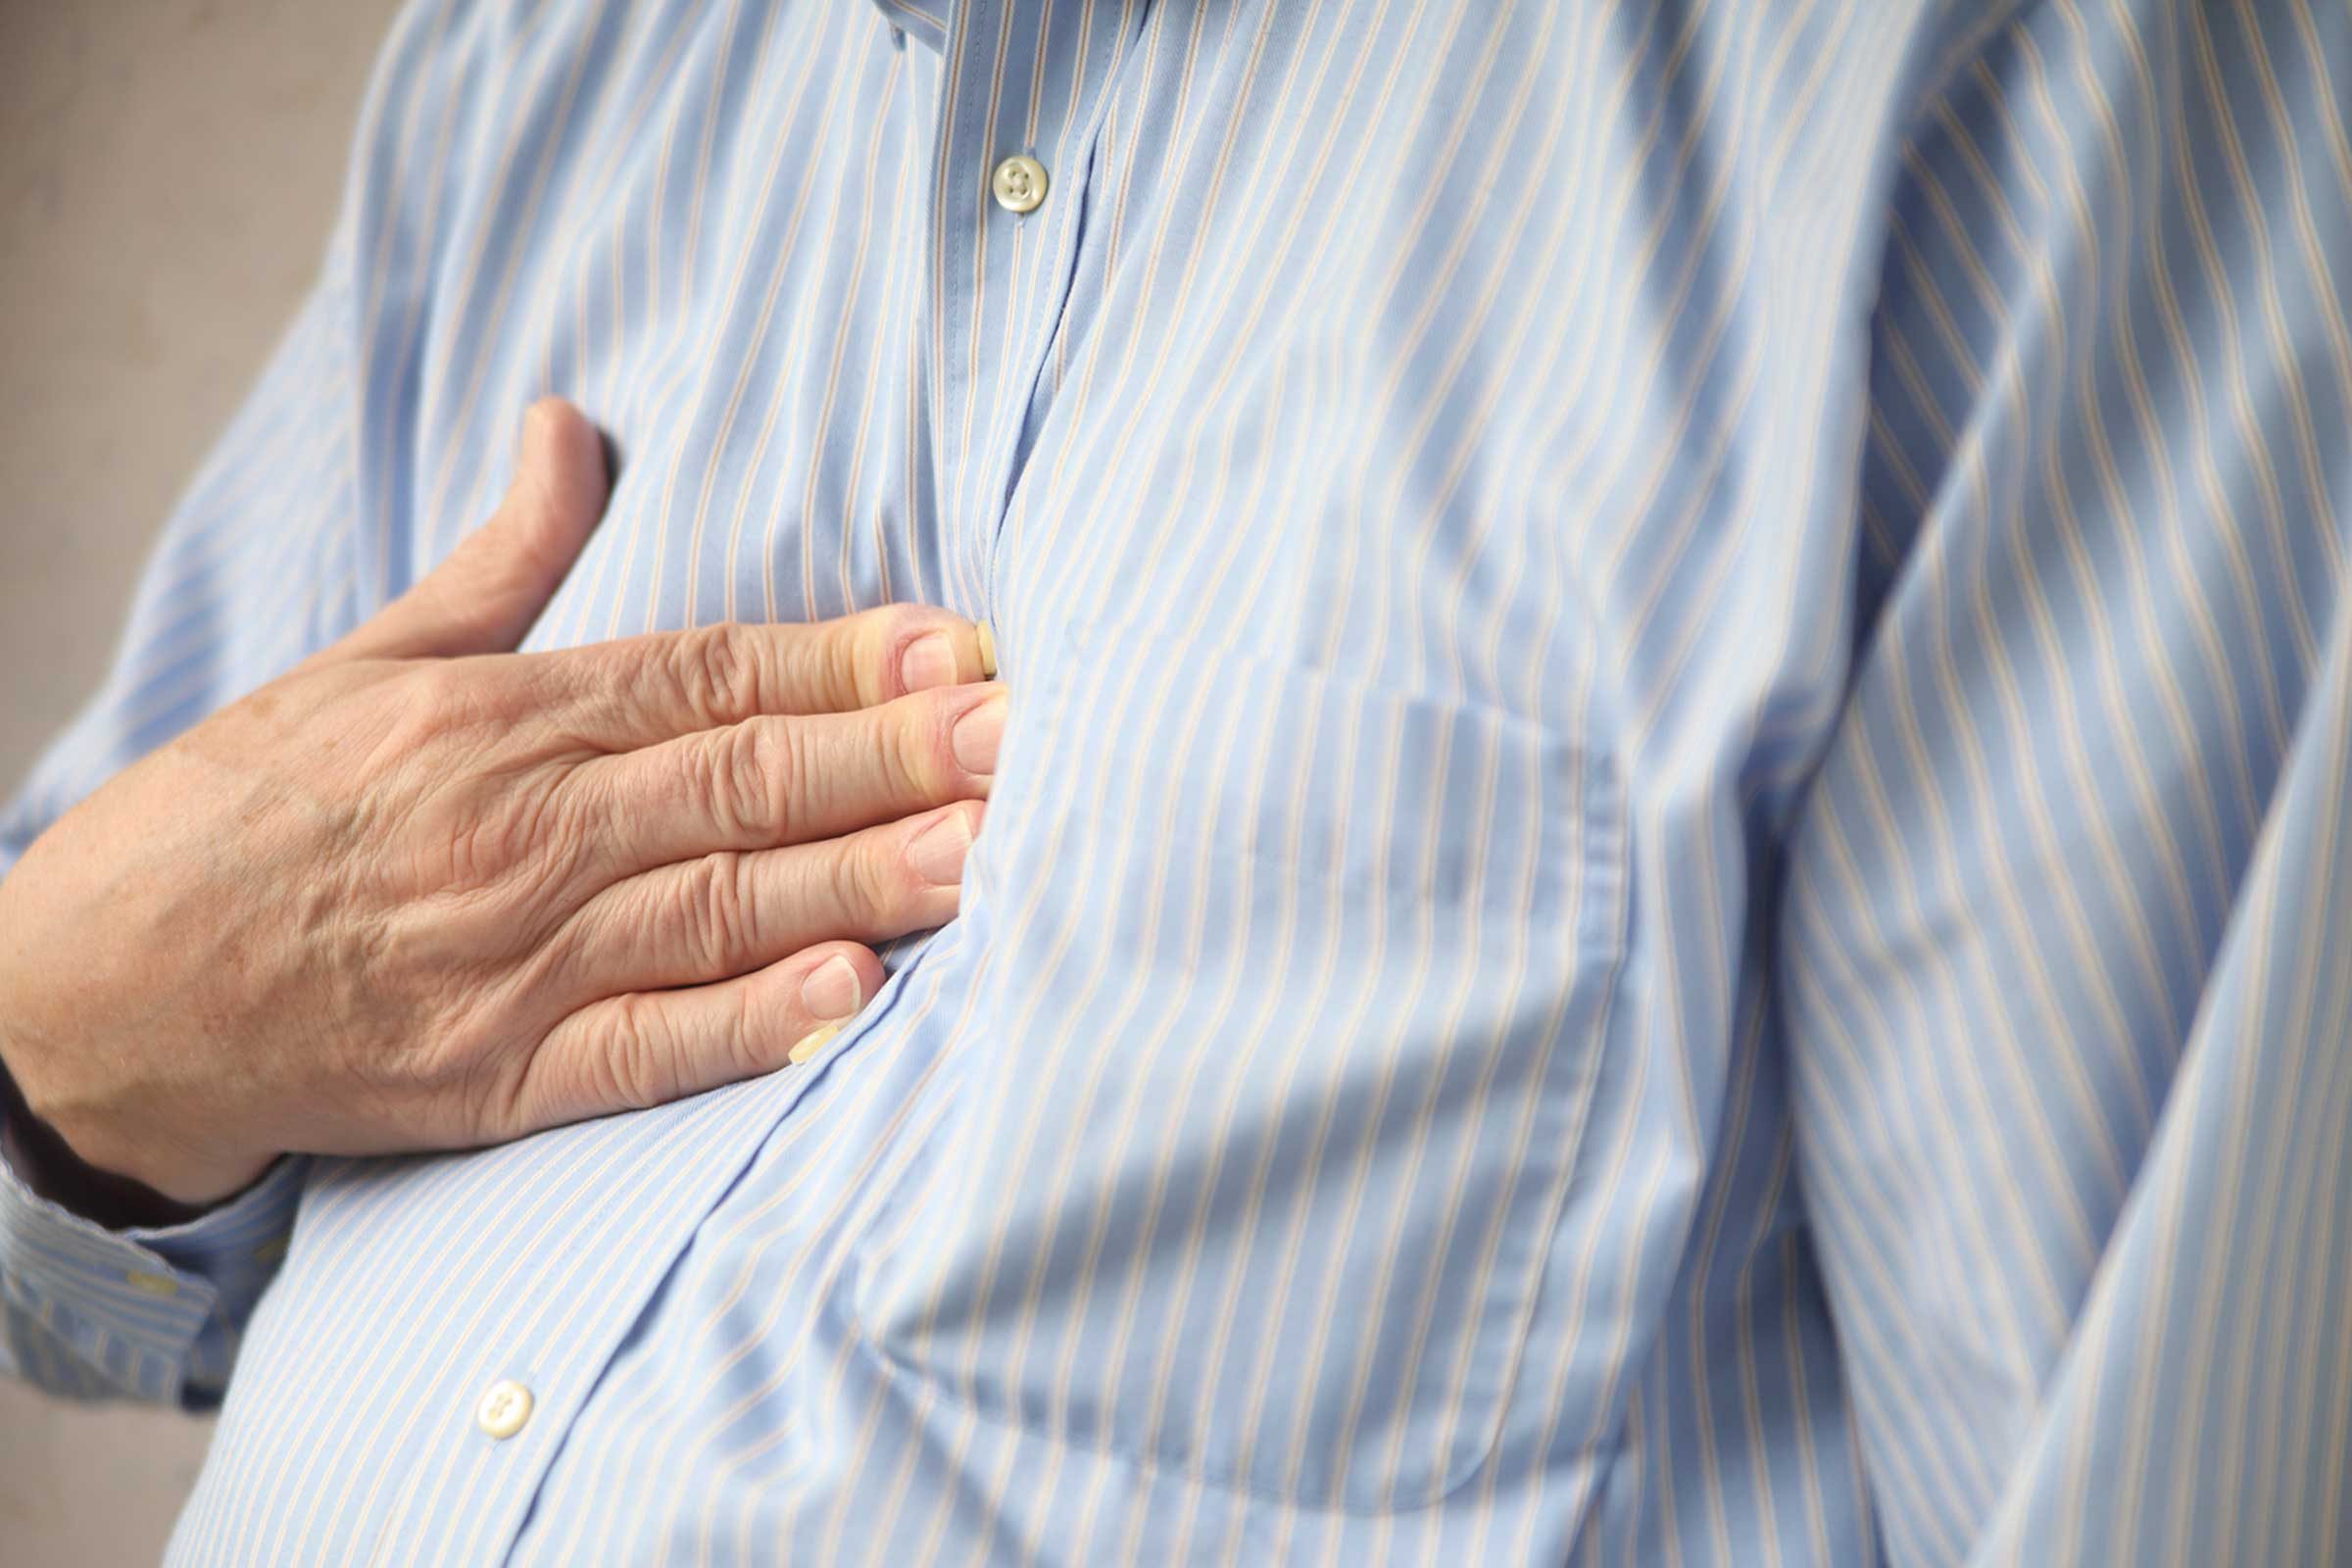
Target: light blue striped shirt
[{"x": 1672, "y": 880}]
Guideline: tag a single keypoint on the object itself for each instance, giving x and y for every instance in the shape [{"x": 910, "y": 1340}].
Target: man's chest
[
  {"x": 1268, "y": 363},
  {"x": 1354, "y": 393}
]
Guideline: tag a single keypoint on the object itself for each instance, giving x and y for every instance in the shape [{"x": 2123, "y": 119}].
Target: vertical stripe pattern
[{"x": 1671, "y": 878}]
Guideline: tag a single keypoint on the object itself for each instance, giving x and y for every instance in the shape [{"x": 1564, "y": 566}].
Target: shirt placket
[{"x": 1021, "y": 88}]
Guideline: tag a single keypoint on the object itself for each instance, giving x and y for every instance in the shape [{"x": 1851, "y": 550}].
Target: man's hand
[{"x": 426, "y": 893}]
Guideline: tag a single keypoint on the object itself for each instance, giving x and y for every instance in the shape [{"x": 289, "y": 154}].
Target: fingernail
[
  {"x": 810, "y": 1044},
  {"x": 929, "y": 660},
  {"x": 833, "y": 989},
  {"x": 987, "y": 649},
  {"x": 936, "y": 853},
  {"x": 974, "y": 738}
]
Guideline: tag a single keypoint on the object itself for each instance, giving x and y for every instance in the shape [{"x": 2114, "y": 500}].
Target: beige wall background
[{"x": 167, "y": 174}]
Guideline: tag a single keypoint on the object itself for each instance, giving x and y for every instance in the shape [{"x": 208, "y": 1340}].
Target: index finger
[{"x": 621, "y": 695}]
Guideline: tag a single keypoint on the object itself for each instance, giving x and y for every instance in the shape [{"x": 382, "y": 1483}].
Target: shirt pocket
[{"x": 1290, "y": 1004}]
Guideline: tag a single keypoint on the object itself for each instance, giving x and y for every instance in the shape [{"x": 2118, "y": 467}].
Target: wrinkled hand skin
[{"x": 426, "y": 893}]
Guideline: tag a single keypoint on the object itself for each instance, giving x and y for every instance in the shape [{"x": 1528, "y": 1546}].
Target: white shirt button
[
  {"x": 503, "y": 1409},
  {"x": 1019, "y": 184}
]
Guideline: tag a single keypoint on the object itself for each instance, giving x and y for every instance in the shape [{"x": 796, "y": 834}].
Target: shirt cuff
[{"x": 154, "y": 1310}]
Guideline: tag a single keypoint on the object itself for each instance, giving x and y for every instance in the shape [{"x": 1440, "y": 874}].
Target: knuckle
[
  {"x": 453, "y": 1063},
  {"x": 916, "y": 744},
  {"x": 869, "y": 881},
  {"x": 751, "y": 1019},
  {"x": 563, "y": 954},
  {"x": 718, "y": 672},
  {"x": 477, "y": 850},
  {"x": 494, "y": 1090},
  {"x": 435, "y": 687},
  {"x": 437, "y": 702},
  {"x": 752, "y": 768},
  {"x": 435, "y": 699},
  {"x": 523, "y": 838},
  {"x": 636, "y": 1066},
  {"x": 719, "y": 911},
  {"x": 524, "y": 829},
  {"x": 562, "y": 838}
]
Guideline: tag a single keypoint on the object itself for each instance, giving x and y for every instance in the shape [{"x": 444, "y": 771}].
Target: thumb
[{"x": 486, "y": 595}]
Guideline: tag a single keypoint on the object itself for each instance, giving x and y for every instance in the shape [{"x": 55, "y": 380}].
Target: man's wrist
[{"x": 48, "y": 1166}]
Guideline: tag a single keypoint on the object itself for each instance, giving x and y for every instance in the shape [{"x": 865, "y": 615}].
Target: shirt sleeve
[
  {"x": 261, "y": 562},
  {"x": 288, "y": 536},
  {"x": 2066, "y": 914},
  {"x": 150, "y": 1314},
  {"x": 259, "y": 566}
]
